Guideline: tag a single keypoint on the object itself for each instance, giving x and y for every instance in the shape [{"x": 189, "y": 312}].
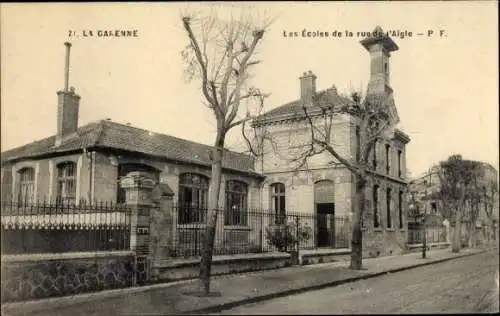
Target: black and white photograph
[{"x": 249, "y": 158}]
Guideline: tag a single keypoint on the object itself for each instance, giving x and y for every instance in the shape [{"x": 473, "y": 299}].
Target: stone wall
[
  {"x": 27, "y": 277},
  {"x": 221, "y": 265},
  {"x": 384, "y": 243}
]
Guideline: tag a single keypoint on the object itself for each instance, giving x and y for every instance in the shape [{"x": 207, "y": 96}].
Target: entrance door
[{"x": 325, "y": 214}]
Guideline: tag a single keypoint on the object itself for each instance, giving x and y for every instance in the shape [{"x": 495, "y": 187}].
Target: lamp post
[{"x": 424, "y": 226}]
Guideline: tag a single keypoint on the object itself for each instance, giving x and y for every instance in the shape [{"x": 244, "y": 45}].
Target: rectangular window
[
  {"x": 388, "y": 203},
  {"x": 26, "y": 187},
  {"x": 193, "y": 193},
  {"x": 66, "y": 182},
  {"x": 376, "y": 222},
  {"x": 399, "y": 164},
  {"x": 400, "y": 204},
  {"x": 278, "y": 202},
  {"x": 358, "y": 144},
  {"x": 236, "y": 203},
  {"x": 374, "y": 161},
  {"x": 387, "y": 162}
]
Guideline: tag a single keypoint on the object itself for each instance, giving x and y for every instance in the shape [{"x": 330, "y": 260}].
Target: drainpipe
[
  {"x": 261, "y": 230},
  {"x": 90, "y": 156}
]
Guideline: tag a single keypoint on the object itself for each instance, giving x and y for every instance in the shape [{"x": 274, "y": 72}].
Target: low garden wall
[
  {"x": 27, "y": 277},
  {"x": 437, "y": 245},
  {"x": 173, "y": 270},
  {"x": 324, "y": 256}
]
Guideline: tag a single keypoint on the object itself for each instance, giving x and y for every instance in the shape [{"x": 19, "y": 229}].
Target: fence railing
[
  {"x": 434, "y": 234},
  {"x": 63, "y": 227},
  {"x": 256, "y": 231}
]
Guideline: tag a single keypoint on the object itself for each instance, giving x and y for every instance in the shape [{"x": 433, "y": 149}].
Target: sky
[{"x": 445, "y": 87}]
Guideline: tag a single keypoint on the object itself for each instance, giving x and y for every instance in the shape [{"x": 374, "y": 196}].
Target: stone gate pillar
[
  {"x": 163, "y": 223},
  {"x": 138, "y": 187}
]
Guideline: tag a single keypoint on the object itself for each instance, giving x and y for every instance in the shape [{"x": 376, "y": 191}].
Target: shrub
[{"x": 285, "y": 236}]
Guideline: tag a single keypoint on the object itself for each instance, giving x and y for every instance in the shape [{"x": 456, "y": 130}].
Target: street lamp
[{"x": 424, "y": 226}]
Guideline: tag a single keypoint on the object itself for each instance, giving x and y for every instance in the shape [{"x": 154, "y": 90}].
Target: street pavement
[
  {"x": 464, "y": 285},
  {"x": 231, "y": 290}
]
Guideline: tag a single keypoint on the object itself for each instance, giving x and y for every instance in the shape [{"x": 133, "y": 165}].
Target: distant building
[{"x": 425, "y": 188}]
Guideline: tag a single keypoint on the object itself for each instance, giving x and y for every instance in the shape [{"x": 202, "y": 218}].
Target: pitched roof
[
  {"x": 324, "y": 98},
  {"x": 108, "y": 134}
]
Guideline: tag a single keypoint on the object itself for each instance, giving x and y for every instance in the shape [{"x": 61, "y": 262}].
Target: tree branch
[{"x": 196, "y": 48}]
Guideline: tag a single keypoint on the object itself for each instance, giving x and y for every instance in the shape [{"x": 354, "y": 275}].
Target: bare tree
[
  {"x": 490, "y": 203},
  {"x": 373, "y": 121},
  {"x": 458, "y": 194},
  {"x": 221, "y": 55},
  {"x": 473, "y": 200}
]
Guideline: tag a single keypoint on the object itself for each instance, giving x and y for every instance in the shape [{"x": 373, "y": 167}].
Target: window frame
[
  {"x": 238, "y": 216},
  {"x": 358, "y": 143},
  {"x": 198, "y": 184},
  {"x": 23, "y": 183},
  {"x": 63, "y": 178},
  {"x": 376, "y": 220},
  {"x": 278, "y": 202},
  {"x": 387, "y": 158},
  {"x": 400, "y": 171},
  {"x": 388, "y": 208},
  {"x": 400, "y": 210},
  {"x": 374, "y": 160}
]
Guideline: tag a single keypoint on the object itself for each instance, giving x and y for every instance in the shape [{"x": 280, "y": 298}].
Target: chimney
[
  {"x": 67, "y": 106},
  {"x": 307, "y": 88}
]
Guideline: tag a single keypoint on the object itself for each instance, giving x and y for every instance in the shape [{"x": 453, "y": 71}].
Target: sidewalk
[{"x": 234, "y": 290}]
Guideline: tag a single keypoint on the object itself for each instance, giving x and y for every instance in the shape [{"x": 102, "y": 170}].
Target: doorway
[
  {"x": 324, "y": 204},
  {"x": 325, "y": 224}
]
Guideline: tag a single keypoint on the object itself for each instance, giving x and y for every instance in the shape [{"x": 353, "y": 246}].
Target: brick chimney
[
  {"x": 307, "y": 88},
  {"x": 67, "y": 106}
]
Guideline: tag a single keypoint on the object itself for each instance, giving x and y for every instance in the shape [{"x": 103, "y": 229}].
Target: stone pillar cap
[{"x": 137, "y": 179}]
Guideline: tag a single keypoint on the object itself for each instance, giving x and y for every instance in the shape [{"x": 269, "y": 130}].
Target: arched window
[
  {"x": 26, "y": 188},
  {"x": 236, "y": 203},
  {"x": 66, "y": 182},
  {"x": 193, "y": 198},
  {"x": 278, "y": 202},
  {"x": 124, "y": 169}
]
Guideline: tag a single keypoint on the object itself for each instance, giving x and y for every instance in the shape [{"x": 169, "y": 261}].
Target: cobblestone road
[{"x": 464, "y": 285}]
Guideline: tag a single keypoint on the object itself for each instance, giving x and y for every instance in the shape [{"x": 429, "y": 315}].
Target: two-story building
[{"x": 324, "y": 187}]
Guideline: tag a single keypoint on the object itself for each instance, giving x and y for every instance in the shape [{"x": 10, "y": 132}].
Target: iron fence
[
  {"x": 256, "y": 231},
  {"x": 435, "y": 234},
  {"x": 44, "y": 227}
]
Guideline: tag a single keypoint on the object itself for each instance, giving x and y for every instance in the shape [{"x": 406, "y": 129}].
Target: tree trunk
[
  {"x": 471, "y": 225},
  {"x": 470, "y": 234},
  {"x": 357, "y": 233},
  {"x": 211, "y": 224},
  {"x": 455, "y": 245}
]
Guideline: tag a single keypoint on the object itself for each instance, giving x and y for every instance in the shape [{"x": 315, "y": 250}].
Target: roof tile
[
  {"x": 118, "y": 136},
  {"x": 328, "y": 97}
]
